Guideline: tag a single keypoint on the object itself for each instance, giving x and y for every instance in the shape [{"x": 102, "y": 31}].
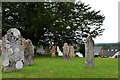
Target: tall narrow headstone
[
  {"x": 65, "y": 51},
  {"x": 71, "y": 51},
  {"x": 89, "y": 52}
]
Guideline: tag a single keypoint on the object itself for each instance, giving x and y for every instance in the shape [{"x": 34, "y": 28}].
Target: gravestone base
[
  {"x": 53, "y": 55},
  {"x": 8, "y": 69},
  {"x": 89, "y": 63},
  {"x": 27, "y": 61}
]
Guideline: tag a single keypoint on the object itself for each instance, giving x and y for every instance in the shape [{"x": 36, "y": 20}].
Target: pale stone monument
[
  {"x": 16, "y": 51},
  {"x": 89, "y": 52},
  {"x": 28, "y": 52},
  {"x": 12, "y": 51},
  {"x": 65, "y": 50}
]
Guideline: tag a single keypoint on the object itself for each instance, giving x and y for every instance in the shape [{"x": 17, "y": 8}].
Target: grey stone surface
[
  {"x": 16, "y": 51},
  {"x": 29, "y": 53},
  {"x": 89, "y": 52},
  {"x": 71, "y": 52},
  {"x": 65, "y": 50},
  {"x": 12, "y": 50}
]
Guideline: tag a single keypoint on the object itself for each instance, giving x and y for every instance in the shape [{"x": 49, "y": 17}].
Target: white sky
[{"x": 110, "y": 10}]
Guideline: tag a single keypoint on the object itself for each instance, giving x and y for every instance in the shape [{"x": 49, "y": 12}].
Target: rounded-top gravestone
[{"x": 12, "y": 51}]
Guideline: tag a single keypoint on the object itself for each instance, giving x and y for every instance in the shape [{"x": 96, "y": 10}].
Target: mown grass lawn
[
  {"x": 0, "y": 68},
  {"x": 47, "y": 67}
]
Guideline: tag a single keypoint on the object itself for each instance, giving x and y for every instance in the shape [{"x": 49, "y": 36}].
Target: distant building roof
[
  {"x": 97, "y": 50},
  {"x": 110, "y": 51},
  {"x": 107, "y": 53},
  {"x": 116, "y": 55}
]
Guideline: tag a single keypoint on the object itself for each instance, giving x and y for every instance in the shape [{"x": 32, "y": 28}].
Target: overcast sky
[{"x": 110, "y": 10}]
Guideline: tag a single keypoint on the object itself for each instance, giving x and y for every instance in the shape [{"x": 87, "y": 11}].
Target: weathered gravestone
[
  {"x": 65, "y": 51},
  {"x": 71, "y": 51},
  {"x": 28, "y": 52},
  {"x": 12, "y": 51},
  {"x": 53, "y": 51},
  {"x": 16, "y": 51},
  {"x": 89, "y": 52}
]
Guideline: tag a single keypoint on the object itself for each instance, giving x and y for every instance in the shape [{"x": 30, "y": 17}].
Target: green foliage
[
  {"x": 47, "y": 67},
  {"x": 55, "y": 22},
  {"x": 82, "y": 49}
]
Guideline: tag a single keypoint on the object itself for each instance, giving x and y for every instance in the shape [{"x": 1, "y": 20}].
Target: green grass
[
  {"x": 47, "y": 67},
  {"x": 0, "y": 68}
]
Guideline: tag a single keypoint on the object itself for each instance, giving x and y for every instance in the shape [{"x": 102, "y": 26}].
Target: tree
[
  {"x": 56, "y": 22},
  {"x": 29, "y": 18}
]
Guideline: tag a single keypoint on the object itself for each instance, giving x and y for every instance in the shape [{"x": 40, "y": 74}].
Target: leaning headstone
[
  {"x": 28, "y": 52},
  {"x": 12, "y": 51},
  {"x": 89, "y": 52},
  {"x": 65, "y": 51}
]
